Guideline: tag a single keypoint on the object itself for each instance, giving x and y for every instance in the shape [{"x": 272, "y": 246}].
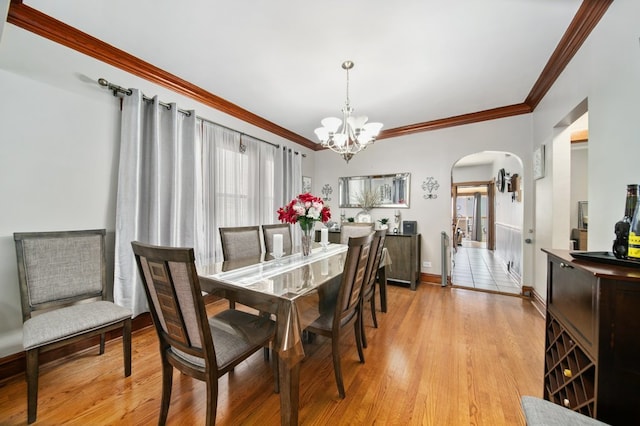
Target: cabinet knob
[
  {"x": 566, "y": 403},
  {"x": 567, "y": 372},
  {"x": 565, "y": 265}
]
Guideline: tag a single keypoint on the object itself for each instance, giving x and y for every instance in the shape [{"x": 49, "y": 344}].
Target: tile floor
[{"x": 477, "y": 268}]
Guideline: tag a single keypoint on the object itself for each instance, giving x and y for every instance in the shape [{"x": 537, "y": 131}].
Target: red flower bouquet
[{"x": 305, "y": 209}]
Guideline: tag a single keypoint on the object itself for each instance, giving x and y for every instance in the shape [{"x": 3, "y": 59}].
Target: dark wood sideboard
[
  {"x": 404, "y": 251},
  {"x": 592, "y": 343}
]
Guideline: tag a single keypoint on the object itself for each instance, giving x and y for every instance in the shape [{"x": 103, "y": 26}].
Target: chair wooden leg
[
  {"x": 167, "y": 382},
  {"x": 357, "y": 328},
  {"x": 337, "y": 370},
  {"x": 32, "y": 384},
  {"x": 373, "y": 310},
  {"x": 362, "y": 331},
  {"x": 102, "y": 339},
  {"x": 212, "y": 399},
  {"x": 275, "y": 360},
  {"x": 126, "y": 347}
]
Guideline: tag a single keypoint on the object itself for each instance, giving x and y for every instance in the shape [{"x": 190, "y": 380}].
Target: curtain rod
[{"x": 119, "y": 89}]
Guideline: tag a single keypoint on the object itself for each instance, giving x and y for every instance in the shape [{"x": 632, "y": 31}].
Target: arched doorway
[{"x": 487, "y": 219}]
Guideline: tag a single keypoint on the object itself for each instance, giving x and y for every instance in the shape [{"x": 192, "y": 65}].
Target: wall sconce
[
  {"x": 326, "y": 190},
  {"x": 430, "y": 185}
]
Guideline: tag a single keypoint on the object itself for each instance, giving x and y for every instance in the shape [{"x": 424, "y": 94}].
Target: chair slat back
[
  {"x": 375, "y": 256},
  {"x": 171, "y": 283},
  {"x": 353, "y": 276},
  {"x": 60, "y": 268},
  {"x": 268, "y": 231},
  {"x": 240, "y": 242}
]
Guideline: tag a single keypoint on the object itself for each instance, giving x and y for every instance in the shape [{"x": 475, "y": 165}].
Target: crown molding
[
  {"x": 25, "y": 17},
  {"x": 458, "y": 120},
  {"x": 585, "y": 20},
  {"x": 45, "y": 26}
]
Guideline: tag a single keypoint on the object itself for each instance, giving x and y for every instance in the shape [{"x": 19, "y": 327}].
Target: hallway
[{"x": 477, "y": 268}]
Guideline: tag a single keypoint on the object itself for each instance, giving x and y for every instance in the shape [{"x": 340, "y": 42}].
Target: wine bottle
[
  {"x": 622, "y": 228},
  {"x": 634, "y": 233}
]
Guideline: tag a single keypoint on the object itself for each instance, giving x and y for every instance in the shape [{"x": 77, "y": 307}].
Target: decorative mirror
[
  {"x": 583, "y": 214},
  {"x": 393, "y": 190}
]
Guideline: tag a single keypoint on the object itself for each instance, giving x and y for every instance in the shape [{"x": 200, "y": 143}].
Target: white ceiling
[{"x": 415, "y": 60}]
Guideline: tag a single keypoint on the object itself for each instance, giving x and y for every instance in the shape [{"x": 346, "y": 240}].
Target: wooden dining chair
[
  {"x": 268, "y": 231},
  {"x": 346, "y": 309},
  {"x": 240, "y": 242},
  {"x": 369, "y": 286},
  {"x": 63, "y": 289},
  {"x": 200, "y": 347},
  {"x": 348, "y": 230}
]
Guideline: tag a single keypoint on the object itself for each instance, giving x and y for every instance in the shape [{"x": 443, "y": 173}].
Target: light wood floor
[{"x": 441, "y": 356}]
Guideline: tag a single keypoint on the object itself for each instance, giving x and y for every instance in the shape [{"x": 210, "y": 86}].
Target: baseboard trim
[
  {"x": 432, "y": 279},
  {"x": 538, "y": 303}
]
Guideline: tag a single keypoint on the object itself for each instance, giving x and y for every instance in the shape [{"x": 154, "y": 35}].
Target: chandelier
[{"x": 355, "y": 134}]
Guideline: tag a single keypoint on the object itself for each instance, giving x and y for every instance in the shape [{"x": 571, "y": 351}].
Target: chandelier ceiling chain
[{"x": 355, "y": 133}]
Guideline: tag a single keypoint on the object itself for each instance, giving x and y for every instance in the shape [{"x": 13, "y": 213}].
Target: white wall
[
  {"x": 509, "y": 212},
  {"x": 482, "y": 172}
]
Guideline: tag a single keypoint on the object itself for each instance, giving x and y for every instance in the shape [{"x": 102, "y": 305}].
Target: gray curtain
[
  {"x": 288, "y": 183},
  {"x": 156, "y": 188}
]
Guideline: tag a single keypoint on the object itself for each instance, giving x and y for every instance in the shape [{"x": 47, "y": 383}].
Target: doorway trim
[{"x": 491, "y": 215}]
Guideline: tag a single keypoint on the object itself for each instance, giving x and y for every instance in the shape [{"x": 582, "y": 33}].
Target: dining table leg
[{"x": 289, "y": 376}]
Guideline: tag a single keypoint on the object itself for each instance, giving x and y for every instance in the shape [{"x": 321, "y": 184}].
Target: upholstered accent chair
[
  {"x": 348, "y": 230},
  {"x": 240, "y": 242},
  {"x": 268, "y": 231},
  {"x": 345, "y": 311},
  {"x": 369, "y": 286},
  {"x": 540, "y": 412},
  {"x": 56, "y": 271},
  {"x": 201, "y": 347}
]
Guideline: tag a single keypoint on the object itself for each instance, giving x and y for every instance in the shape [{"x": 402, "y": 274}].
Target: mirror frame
[{"x": 343, "y": 184}]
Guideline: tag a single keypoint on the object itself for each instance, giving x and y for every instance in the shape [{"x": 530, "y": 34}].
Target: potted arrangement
[
  {"x": 384, "y": 223},
  {"x": 367, "y": 200}
]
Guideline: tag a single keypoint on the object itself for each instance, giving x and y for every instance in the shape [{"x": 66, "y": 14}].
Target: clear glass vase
[{"x": 307, "y": 238}]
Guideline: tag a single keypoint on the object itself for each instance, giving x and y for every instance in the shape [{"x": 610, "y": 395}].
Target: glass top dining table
[{"x": 295, "y": 288}]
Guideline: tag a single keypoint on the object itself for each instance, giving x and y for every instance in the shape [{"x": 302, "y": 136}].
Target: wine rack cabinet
[
  {"x": 570, "y": 373},
  {"x": 592, "y": 343}
]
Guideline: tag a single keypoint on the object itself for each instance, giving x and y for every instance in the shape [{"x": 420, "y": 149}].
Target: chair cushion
[
  {"x": 60, "y": 324},
  {"x": 325, "y": 321},
  {"x": 234, "y": 333},
  {"x": 540, "y": 412}
]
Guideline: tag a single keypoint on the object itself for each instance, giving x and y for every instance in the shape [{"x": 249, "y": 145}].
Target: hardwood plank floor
[{"x": 441, "y": 356}]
